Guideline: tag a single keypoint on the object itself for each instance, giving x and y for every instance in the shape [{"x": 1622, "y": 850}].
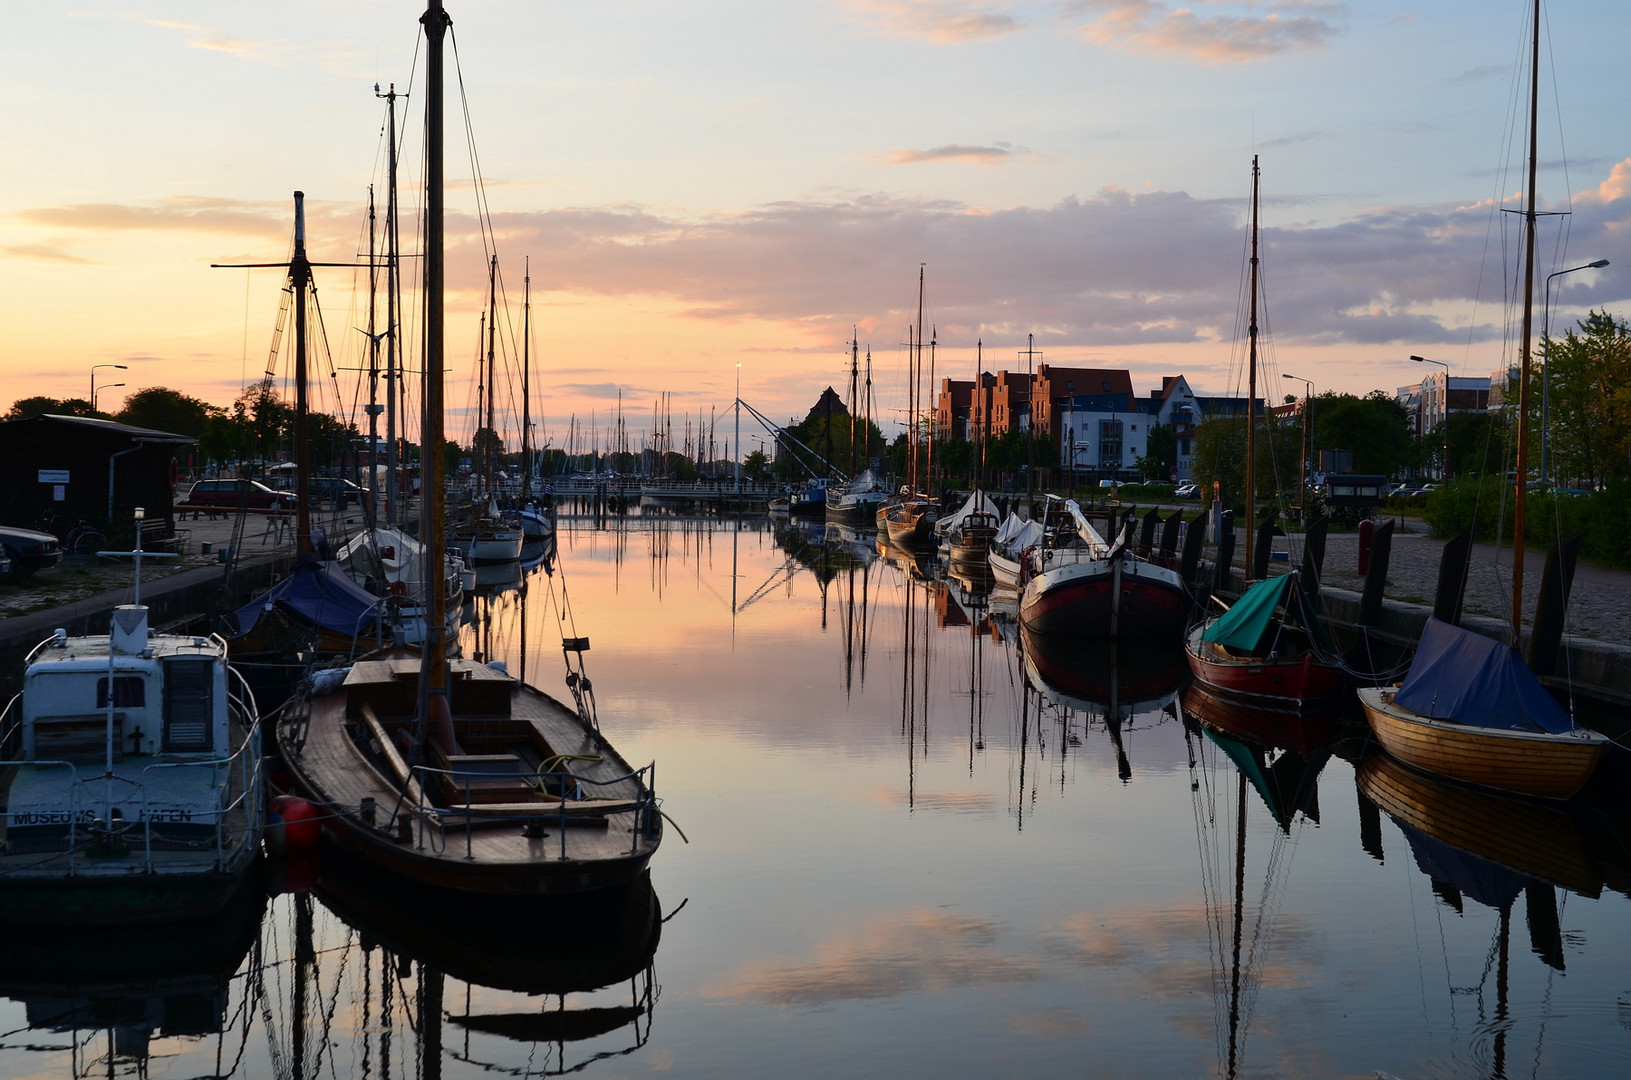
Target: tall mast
[
  {"x": 492, "y": 339},
  {"x": 854, "y": 384},
  {"x": 917, "y": 374},
  {"x": 867, "y": 431},
  {"x": 300, "y": 278},
  {"x": 526, "y": 378},
  {"x": 432, "y": 513},
  {"x": 928, "y": 464},
  {"x": 1528, "y": 326},
  {"x": 393, "y": 288},
  {"x": 1251, "y": 391},
  {"x": 373, "y": 370}
]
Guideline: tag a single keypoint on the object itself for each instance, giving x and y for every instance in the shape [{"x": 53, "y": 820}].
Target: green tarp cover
[{"x": 1244, "y": 625}]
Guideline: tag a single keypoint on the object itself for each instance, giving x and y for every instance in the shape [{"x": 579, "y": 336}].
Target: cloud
[
  {"x": 942, "y": 22},
  {"x": 1113, "y": 269},
  {"x": 182, "y": 213},
  {"x": 915, "y": 952},
  {"x": 1245, "y": 32},
  {"x": 42, "y": 253},
  {"x": 999, "y": 154}
]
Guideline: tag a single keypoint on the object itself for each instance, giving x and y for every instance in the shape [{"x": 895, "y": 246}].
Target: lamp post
[
  {"x": 1444, "y": 449},
  {"x": 121, "y": 367},
  {"x": 1302, "y": 458},
  {"x": 1545, "y": 357},
  {"x": 104, "y": 386}
]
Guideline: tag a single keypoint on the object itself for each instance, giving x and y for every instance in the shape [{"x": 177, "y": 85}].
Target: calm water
[{"x": 903, "y": 860}]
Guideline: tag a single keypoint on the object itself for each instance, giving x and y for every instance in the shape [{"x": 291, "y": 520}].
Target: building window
[{"x": 1110, "y": 444}]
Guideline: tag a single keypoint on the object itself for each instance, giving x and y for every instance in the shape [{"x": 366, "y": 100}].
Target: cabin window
[
  {"x": 129, "y": 692},
  {"x": 189, "y": 705}
]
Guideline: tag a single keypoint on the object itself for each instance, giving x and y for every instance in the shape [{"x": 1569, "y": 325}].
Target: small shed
[{"x": 68, "y": 469}]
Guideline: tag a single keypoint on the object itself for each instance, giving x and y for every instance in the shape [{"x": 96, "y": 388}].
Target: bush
[{"x": 1485, "y": 506}]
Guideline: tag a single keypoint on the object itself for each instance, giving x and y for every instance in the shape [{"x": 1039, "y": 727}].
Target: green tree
[
  {"x": 163, "y": 409},
  {"x": 1588, "y": 403},
  {"x": 1160, "y": 453},
  {"x": 756, "y": 465},
  {"x": 1375, "y": 427}
]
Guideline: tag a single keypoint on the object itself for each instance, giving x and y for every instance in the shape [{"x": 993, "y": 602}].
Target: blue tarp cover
[
  {"x": 315, "y": 594},
  {"x": 1469, "y": 678}
]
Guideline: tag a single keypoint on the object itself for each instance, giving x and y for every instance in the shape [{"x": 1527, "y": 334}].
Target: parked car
[
  {"x": 29, "y": 549},
  {"x": 1187, "y": 491},
  {"x": 336, "y": 490},
  {"x": 235, "y": 493}
]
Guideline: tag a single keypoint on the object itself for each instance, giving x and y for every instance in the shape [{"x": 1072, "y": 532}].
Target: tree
[
  {"x": 756, "y": 465},
  {"x": 1160, "y": 453},
  {"x": 1588, "y": 428},
  {"x": 1375, "y": 427},
  {"x": 162, "y": 409}
]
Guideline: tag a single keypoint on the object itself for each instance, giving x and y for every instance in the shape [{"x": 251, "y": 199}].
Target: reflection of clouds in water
[
  {"x": 1050, "y": 1024},
  {"x": 920, "y": 950}
]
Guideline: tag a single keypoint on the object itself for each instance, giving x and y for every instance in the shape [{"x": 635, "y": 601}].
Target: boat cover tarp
[
  {"x": 1246, "y": 624},
  {"x": 314, "y": 594},
  {"x": 1471, "y": 679},
  {"x": 976, "y": 503}
]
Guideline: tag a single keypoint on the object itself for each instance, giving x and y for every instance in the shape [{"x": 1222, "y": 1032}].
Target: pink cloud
[
  {"x": 1243, "y": 36},
  {"x": 939, "y": 21}
]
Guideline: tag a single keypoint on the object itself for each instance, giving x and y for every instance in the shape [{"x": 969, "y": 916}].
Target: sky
[{"x": 713, "y": 190}]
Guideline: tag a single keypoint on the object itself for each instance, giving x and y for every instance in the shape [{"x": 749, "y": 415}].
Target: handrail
[{"x": 644, "y": 800}]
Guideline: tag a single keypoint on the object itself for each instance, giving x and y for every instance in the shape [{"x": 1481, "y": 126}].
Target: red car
[{"x": 236, "y": 494}]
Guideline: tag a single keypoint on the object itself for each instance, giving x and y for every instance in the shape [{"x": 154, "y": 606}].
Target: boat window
[
  {"x": 189, "y": 704},
  {"x": 129, "y": 692}
]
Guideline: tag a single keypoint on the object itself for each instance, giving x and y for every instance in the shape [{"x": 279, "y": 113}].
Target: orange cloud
[
  {"x": 1153, "y": 26},
  {"x": 939, "y": 21},
  {"x": 970, "y": 155}
]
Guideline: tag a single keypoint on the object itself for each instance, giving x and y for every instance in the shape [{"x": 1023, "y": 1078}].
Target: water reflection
[
  {"x": 537, "y": 988},
  {"x": 97, "y": 1007}
]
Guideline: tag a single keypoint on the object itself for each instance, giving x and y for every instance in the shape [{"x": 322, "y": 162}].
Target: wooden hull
[
  {"x": 910, "y": 527},
  {"x": 1296, "y": 680},
  {"x": 1527, "y": 763},
  {"x": 1529, "y": 838},
  {"x": 1098, "y": 598},
  {"x": 480, "y": 821}
]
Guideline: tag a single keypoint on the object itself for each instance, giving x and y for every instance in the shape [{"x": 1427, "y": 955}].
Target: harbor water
[{"x": 905, "y": 839}]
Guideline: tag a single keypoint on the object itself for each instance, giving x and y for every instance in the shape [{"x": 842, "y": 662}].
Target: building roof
[{"x": 106, "y": 427}]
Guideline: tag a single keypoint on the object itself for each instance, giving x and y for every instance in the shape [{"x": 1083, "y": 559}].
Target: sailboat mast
[
  {"x": 526, "y": 379},
  {"x": 1522, "y": 464},
  {"x": 934, "y": 411},
  {"x": 917, "y": 374},
  {"x": 1251, "y": 392},
  {"x": 373, "y": 369},
  {"x": 300, "y": 277},
  {"x": 854, "y": 384},
  {"x": 393, "y": 288},
  {"x": 492, "y": 339},
  {"x": 432, "y": 511}
]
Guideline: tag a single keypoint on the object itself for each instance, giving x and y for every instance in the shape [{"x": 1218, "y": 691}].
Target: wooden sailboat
[
  {"x": 448, "y": 772},
  {"x": 908, "y": 518},
  {"x": 1286, "y": 659},
  {"x": 1093, "y": 588},
  {"x": 1447, "y": 717},
  {"x": 484, "y": 536}
]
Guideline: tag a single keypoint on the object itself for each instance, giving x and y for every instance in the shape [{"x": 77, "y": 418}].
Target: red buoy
[{"x": 299, "y": 822}]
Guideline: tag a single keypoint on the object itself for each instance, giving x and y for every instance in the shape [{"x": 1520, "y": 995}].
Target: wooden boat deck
[{"x": 489, "y": 818}]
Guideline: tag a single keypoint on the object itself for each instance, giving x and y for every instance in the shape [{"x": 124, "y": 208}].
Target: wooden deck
[{"x": 491, "y": 817}]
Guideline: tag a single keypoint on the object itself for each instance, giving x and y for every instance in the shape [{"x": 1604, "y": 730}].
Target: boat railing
[
  {"x": 243, "y": 795},
  {"x": 575, "y": 802}
]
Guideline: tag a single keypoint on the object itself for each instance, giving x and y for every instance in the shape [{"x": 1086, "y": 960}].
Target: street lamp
[
  {"x": 121, "y": 367},
  {"x": 104, "y": 386},
  {"x": 1545, "y": 357},
  {"x": 1302, "y": 459},
  {"x": 1444, "y": 450}
]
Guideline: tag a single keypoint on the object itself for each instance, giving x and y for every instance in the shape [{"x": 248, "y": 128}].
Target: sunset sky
[{"x": 709, "y": 184}]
